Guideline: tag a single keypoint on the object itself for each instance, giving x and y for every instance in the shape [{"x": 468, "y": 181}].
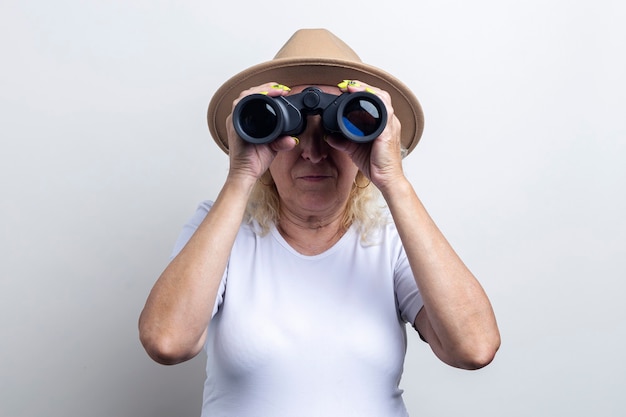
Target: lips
[{"x": 314, "y": 177}]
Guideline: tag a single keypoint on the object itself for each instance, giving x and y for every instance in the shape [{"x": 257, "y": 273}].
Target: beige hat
[{"x": 316, "y": 56}]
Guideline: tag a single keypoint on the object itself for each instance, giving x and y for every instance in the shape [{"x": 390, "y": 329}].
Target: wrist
[
  {"x": 396, "y": 189},
  {"x": 241, "y": 181}
]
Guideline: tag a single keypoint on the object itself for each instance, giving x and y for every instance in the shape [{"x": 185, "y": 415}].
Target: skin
[
  {"x": 313, "y": 177},
  {"x": 314, "y": 181}
]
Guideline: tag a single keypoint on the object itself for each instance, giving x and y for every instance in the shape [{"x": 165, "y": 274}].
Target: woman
[{"x": 294, "y": 280}]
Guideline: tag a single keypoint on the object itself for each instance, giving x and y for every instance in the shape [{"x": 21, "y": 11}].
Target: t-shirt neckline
[{"x": 337, "y": 246}]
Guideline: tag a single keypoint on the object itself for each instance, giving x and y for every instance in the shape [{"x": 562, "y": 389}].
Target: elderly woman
[{"x": 299, "y": 278}]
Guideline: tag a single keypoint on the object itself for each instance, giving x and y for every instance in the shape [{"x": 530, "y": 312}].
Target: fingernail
[
  {"x": 296, "y": 140},
  {"x": 353, "y": 84},
  {"x": 263, "y": 92},
  {"x": 369, "y": 90},
  {"x": 343, "y": 84},
  {"x": 281, "y": 87}
]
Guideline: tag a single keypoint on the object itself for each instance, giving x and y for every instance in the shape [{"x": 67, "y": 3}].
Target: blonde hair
[{"x": 365, "y": 209}]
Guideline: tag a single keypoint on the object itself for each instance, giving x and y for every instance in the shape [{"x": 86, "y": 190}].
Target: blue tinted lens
[{"x": 361, "y": 117}]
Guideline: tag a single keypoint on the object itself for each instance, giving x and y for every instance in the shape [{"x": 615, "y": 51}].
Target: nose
[{"x": 312, "y": 143}]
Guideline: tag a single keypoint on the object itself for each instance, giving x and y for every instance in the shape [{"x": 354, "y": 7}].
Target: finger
[
  {"x": 352, "y": 86},
  {"x": 272, "y": 89},
  {"x": 341, "y": 144},
  {"x": 276, "y": 89},
  {"x": 284, "y": 143}
]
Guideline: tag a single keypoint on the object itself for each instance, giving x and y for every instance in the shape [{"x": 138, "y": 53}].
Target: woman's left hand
[{"x": 381, "y": 159}]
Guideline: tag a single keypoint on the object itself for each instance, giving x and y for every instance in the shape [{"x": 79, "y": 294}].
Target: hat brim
[{"x": 302, "y": 71}]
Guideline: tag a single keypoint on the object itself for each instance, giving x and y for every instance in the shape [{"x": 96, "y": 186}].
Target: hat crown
[{"x": 316, "y": 43}]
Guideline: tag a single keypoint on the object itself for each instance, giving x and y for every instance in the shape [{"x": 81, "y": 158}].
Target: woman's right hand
[{"x": 252, "y": 160}]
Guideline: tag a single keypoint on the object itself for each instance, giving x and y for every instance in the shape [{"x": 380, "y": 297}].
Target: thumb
[
  {"x": 284, "y": 143},
  {"x": 358, "y": 152},
  {"x": 341, "y": 144}
]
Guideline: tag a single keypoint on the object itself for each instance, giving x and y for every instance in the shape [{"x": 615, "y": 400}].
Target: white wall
[{"x": 105, "y": 154}]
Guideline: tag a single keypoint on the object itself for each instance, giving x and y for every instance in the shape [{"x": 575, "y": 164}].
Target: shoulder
[
  {"x": 379, "y": 229},
  {"x": 192, "y": 224},
  {"x": 204, "y": 208}
]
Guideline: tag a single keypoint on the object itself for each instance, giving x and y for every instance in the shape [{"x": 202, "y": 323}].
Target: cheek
[
  {"x": 278, "y": 166},
  {"x": 281, "y": 170},
  {"x": 348, "y": 175},
  {"x": 348, "y": 168}
]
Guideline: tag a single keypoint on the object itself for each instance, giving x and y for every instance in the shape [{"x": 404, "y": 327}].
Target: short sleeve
[
  {"x": 408, "y": 295},
  {"x": 190, "y": 227},
  {"x": 186, "y": 233}
]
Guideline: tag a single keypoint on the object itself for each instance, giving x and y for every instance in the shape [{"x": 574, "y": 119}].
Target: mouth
[{"x": 314, "y": 177}]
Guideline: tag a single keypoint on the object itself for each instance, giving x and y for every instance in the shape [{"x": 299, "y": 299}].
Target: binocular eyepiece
[{"x": 360, "y": 117}]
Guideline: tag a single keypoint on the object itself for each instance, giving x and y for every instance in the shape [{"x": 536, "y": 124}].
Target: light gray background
[{"x": 105, "y": 154}]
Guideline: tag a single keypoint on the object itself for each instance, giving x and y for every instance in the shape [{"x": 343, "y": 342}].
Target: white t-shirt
[{"x": 296, "y": 336}]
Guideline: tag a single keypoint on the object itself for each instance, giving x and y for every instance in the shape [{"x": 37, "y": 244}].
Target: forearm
[
  {"x": 460, "y": 325},
  {"x": 178, "y": 310}
]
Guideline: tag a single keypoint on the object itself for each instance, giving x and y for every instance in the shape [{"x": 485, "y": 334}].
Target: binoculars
[{"x": 360, "y": 117}]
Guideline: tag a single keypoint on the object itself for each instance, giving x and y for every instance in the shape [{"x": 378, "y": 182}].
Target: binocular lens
[
  {"x": 258, "y": 119},
  {"x": 361, "y": 117}
]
